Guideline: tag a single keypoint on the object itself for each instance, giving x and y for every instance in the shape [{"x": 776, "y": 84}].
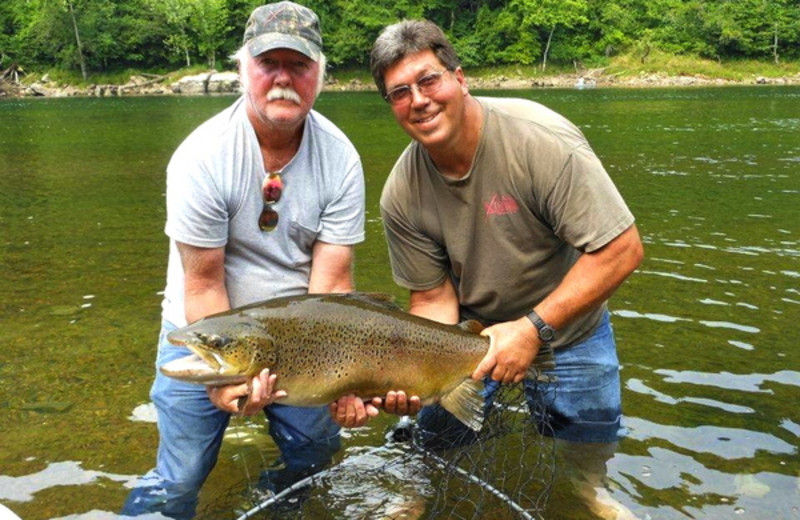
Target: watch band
[{"x": 546, "y": 333}]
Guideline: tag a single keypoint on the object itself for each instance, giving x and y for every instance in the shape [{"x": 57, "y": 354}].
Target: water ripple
[
  {"x": 66, "y": 473},
  {"x": 726, "y": 443},
  {"x": 741, "y": 344},
  {"x": 707, "y": 492},
  {"x": 729, "y": 325},
  {"x": 96, "y": 514},
  {"x": 675, "y": 276},
  {"x": 637, "y": 385},
  {"x": 729, "y": 381},
  {"x": 665, "y": 318},
  {"x": 791, "y": 426}
]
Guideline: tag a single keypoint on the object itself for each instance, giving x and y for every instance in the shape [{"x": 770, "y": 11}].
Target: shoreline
[{"x": 214, "y": 82}]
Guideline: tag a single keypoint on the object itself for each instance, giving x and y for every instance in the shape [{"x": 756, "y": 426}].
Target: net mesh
[{"x": 505, "y": 471}]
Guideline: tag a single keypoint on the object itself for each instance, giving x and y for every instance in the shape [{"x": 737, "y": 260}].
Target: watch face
[{"x": 547, "y": 333}]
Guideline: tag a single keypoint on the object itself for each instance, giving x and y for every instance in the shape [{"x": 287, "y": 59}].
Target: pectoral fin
[{"x": 466, "y": 403}]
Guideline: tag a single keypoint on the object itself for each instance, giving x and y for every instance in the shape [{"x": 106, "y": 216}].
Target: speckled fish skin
[{"x": 325, "y": 346}]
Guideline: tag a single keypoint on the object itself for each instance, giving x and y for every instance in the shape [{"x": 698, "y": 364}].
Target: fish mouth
[
  {"x": 212, "y": 358},
  {"x": 181, "y": 337},
  {"x": 196, "y": 369},
  {"x": 205, "y": 346}
]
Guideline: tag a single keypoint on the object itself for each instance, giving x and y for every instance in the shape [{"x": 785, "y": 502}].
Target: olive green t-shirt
[{"x": 507, "y": 233}]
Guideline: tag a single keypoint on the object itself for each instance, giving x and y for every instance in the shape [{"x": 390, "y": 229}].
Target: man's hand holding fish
[
  {"x": 351, "y": 412},
  {"x": 247, "y": 398}
]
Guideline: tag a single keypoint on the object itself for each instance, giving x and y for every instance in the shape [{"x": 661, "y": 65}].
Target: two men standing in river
[{"x": 497, "y": 211}]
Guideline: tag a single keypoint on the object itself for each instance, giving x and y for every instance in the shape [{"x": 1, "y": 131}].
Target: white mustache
[{"x": 288, "y": 94}]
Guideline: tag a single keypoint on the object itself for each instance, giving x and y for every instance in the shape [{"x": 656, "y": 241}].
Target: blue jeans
[
  {"x": 190, "y": 436},
  {"x": 583, "y": 405}
]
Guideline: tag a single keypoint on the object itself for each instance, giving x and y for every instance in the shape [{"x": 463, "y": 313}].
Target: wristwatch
[{"x": 546, "y": 333}]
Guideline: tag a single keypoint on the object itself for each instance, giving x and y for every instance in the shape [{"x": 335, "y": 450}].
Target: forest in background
[{"x": 100, "y": 36}]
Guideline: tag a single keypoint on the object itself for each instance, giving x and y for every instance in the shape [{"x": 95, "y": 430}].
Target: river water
[{"x": 707, "y": 327}]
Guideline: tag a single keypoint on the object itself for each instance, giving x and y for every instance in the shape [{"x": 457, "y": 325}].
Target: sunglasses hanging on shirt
[{"x": 271, "y": 191}]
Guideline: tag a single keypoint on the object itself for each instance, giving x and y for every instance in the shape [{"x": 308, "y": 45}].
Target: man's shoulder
[
  {"x": 523, "y": 117},
  {"x": 523, "y": 109},
  {"x": 409, "y": 163},
  {"x": 326, "y": 130},
  {"x": 211, "y": 133},
  {"x": 407, "y": 173}
]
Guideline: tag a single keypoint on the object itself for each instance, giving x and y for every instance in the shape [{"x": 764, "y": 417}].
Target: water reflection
[
  {"x": 728, "y": 381},
  {"x": 66, "y": 473},
  {"x": 636, "y": 385},
  {"x": 673, "y": 477}
]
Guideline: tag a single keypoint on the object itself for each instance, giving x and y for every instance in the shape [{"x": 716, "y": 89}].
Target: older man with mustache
[{"x": 266, "y": 199}]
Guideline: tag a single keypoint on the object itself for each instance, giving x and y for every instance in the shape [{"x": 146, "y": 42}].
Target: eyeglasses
[
  {"x": 426, "y": 85},
  {"x": 271, "y": 192}
]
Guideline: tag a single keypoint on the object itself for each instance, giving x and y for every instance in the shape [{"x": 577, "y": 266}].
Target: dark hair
[{"x": 409, "y": 37}]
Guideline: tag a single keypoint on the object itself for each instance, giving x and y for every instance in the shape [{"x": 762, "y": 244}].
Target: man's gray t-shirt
[
  {"x": 507, "y": 233},
  {"x": 214, "y": 200}
]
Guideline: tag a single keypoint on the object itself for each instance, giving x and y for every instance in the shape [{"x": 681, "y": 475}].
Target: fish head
[{"x": 228, "y": 345}]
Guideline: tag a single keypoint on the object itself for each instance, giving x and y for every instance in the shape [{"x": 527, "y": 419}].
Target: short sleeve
[
  {"x": 418, "y": 262},
  {"x": 196, "y": 211},
  {"x": 585, "y": 208},
  {"x": 343, "y": 218}
]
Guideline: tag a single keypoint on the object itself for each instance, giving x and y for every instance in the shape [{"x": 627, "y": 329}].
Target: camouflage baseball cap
[{"x": 283, "y": 25}]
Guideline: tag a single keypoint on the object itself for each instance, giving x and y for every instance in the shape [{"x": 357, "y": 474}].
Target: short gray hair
[
  {"x": 243, "y": 57},
  {"x": 409, "y": 37}
]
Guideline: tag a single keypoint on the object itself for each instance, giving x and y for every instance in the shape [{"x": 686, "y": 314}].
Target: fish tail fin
[
  {"x": 465, "y": 402},
  {"x": 544, "y": 360}
]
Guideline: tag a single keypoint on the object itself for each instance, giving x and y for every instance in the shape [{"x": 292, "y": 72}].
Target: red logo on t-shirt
[{"x": 501, "y": 205}]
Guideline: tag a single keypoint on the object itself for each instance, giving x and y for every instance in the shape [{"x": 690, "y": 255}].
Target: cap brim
[{"x": 267, "y": 42}]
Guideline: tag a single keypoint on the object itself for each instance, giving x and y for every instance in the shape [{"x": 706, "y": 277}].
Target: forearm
[
  {"x": 200, "y": 303},
  {"x": 331, "y": 269},
  {"x": 343, "y": 284},
  {"x": 204, "y": 281},
  {"x": 438, "y": 304},
  {"x": 592, "y": 280}
]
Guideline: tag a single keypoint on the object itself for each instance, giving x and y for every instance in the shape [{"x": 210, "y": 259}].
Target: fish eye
[
  {"x": 212, "y": 340},
  {"x": 216, "y": 341}
]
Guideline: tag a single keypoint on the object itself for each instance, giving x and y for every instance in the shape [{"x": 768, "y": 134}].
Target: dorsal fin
[
  {"x": 473, "y": 326},
  {"x": 385, "y": 300}
]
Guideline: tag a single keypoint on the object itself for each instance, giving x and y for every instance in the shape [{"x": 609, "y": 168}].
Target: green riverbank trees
[{"x": 94, "y": 36}]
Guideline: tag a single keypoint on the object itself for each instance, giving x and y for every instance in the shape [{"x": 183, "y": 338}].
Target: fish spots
[
  {"x": 323, "y": 348},
  {"x": 340, "y": 374}
]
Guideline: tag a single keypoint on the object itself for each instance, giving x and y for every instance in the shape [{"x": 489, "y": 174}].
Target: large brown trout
[{"x": 325, "y": 346}]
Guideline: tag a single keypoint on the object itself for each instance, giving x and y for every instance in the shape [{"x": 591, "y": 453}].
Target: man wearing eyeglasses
[
  {"x": 500, "y": 211},
  {"x": 264, "y": 200}
]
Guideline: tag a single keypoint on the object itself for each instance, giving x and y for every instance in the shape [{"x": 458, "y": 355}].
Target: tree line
[{"x": 107, "y": 35}]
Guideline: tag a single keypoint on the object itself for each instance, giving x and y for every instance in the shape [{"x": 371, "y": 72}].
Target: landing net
[{"x": 506, "y": 471}]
